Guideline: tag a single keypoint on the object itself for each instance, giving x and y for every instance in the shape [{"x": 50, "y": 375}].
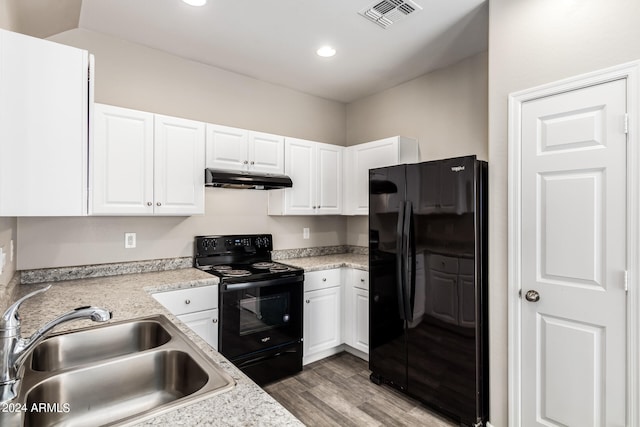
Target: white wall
[
  {"x": 532, "y": 42},
  {"x": 8, "y": 226}
]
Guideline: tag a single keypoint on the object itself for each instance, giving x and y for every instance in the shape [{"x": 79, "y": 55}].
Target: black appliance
[
  {"x": 260, "y": 309},
  {"x": 428, "y": 321},
  {"x": 245, "y": 179}
]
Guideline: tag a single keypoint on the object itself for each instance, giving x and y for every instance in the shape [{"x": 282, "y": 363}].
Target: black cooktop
[{"x": 240, "y": 258}]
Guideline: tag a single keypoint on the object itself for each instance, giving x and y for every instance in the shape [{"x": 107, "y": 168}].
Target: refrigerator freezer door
[{"x": 387, "y": 351}]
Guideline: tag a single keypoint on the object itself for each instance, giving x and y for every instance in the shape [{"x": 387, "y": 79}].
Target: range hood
[{"x": 224, "y": 178}]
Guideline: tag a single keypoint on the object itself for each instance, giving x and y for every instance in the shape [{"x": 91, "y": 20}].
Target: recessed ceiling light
[
  {"x": 326, "y": 51},
  {"x": 195, "y": 2}
]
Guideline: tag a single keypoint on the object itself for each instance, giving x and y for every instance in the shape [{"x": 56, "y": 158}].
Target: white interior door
[{"x": 573, "y": 257}]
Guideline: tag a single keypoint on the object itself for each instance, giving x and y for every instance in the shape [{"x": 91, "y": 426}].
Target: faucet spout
[
  {"x": 24, "y": 346},
  {"x": 14, "y": 349}
]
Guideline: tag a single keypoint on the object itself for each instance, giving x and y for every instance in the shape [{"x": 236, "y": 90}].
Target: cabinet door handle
[
  {"x": 324, "y": 279},
  {"x": 308, "y": 301},
  {"x": 215, "y": 320},
  {"x": 361, "y": 280},
  {"x": 252, "y": 162},
  {"x": 245, "y": 162},
  {"x": 158, "y": 204},
  {"x": 149, "y": 204},
  {"x": 187, "y": 301}
]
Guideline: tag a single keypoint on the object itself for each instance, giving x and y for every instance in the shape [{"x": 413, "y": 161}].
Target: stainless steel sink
[
  {"x": 95, "y": 344},
  {"x": 117, "y": 374}
]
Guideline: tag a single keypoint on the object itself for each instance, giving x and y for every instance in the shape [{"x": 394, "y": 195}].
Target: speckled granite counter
[
  {"x": 326, "y": 262},
  {"x": 128, "y": 296}
]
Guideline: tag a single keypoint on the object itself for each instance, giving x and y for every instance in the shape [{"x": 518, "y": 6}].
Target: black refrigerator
[{"x": 428, "y": 306}]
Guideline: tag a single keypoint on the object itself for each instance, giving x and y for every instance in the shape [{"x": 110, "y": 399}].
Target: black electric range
[{"x": 260, "y": 327}]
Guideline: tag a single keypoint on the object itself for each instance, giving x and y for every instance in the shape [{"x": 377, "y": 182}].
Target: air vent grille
[{"x": 387, "y": 12}]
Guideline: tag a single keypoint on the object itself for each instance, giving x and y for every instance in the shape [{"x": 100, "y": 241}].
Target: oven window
[{"x": 262, "y": 312}]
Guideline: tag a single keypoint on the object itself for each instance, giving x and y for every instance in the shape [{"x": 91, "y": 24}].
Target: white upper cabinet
[
  {"x": 376, "y": 154},
  {"x": 316, "y": 171},
  {"x": 178, "y": 166},
  {"x": 240, "y": 149},
  {"x": 146, "y": 164},
  {"x": 45, "y": 95}
]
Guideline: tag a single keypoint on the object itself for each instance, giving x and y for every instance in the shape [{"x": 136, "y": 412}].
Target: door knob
[{"x": 532, "y": 296}]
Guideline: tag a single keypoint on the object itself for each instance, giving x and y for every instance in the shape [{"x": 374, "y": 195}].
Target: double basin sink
[{"x": 117, "y": 374}]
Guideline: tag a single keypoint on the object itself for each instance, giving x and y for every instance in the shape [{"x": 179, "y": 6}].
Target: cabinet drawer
[
  {"x": 360, "y": 279},
  {"x": 189, "y": 300},
  {"x": 321, "y": 279}
]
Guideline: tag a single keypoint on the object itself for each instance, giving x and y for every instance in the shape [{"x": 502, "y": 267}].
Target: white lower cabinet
[
  {"x": 204, "y": 323},
  {"x": 322, "y": 314},
  {"x": 197, "y": 308},
  {"x": 356, "y": 317},
  {"x": 336, "y": 313}
]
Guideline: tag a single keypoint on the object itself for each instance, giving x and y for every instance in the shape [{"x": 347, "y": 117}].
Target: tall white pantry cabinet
[{"x": 46, "y": 91}]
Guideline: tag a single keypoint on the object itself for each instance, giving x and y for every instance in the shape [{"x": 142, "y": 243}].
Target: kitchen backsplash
[{"x": 103, "y": 270}]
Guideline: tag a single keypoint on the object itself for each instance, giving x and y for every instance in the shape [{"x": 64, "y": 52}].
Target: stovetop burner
[
  {"x": 221, "y": 268},
  {"x": 279, "y": 267},
  {"x": 235, "y": 273},
  {"x": 263, "y": 265}
]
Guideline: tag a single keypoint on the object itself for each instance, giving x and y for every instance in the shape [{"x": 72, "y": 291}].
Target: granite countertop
[
  {"x": 326, "y": 262},
  {"x": 128, "y": 296}
]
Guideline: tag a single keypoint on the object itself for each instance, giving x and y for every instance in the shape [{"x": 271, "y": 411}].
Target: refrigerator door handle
[
  {"x": 409, "y": 261},
  {"x": 400, "y": 272}
]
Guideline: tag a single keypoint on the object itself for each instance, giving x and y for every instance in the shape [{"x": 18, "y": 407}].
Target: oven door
[{"x": 256, "y": 316}]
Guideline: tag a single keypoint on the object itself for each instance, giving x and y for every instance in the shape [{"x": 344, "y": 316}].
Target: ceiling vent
[{"x": 387, "y": 12}]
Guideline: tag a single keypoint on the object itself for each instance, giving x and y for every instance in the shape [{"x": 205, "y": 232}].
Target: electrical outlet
[
  {"x": 305, "y": 233},
  {"x": 129, "y": 240}
]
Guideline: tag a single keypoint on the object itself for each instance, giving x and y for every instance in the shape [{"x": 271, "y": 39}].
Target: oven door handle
[{"x": 230, "y": 287}]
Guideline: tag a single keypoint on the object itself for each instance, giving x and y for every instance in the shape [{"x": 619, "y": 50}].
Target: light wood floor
[{"x": 336, "y": 391}]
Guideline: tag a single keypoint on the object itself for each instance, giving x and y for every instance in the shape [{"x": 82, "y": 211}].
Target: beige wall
[
  {"x": 445, "y": 110},
  {"x": 532, "y": 42},
  {"x": 137, "y": 77}
]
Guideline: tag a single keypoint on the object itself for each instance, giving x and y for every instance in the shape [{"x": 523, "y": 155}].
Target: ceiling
[{"x": 275, "y": 40}]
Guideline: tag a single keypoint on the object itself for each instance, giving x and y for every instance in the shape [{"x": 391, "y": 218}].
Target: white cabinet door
[
  {"x": 322, "y": 320},
  {"x": 356, "y": 310},
  {"x": 371, "y": 155},
  {"x": 316, "y": 171},
  {"x": 360, "y": 309},
  {"x": 300, "y": 166},
  {"x": 266, "y": 152},
  {"x": 44, "y": 113},
  {"x": 179, "y": 166},
  {"x": 121, "y": 162},
  {"x": 227, "y": 147},
  {"x": 329, "y": 179},
  {"x": 203, "y": 323},
  {"x": 241, "y": 149},
  {"x": 146, "y": 164}
]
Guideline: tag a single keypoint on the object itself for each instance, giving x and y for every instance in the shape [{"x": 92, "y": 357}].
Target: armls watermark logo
[
  {"x": 39, "y": 407},
  {"x": 457, "y": 168}
]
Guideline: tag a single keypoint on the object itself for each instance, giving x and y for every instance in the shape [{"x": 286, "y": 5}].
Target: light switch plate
[{"x": 305, "y": 233}]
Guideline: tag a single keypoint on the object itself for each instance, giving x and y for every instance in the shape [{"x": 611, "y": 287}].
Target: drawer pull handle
[
  {"x": 324, "y": 279},
  {"x": 187, "y": 301},
  {"x": 308, "y": 301},
  {"x": 362, "y": 280},
  {"x": 215, "y": 320}
]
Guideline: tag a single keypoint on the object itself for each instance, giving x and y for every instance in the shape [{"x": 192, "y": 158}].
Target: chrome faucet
[{"x": 14, "y": 349}]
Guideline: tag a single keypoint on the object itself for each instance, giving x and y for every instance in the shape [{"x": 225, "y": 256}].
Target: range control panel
[{"x": 244, "y": 243}]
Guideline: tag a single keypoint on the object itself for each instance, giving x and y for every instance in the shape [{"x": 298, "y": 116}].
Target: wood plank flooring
[{"x": 336, "y": 391}]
